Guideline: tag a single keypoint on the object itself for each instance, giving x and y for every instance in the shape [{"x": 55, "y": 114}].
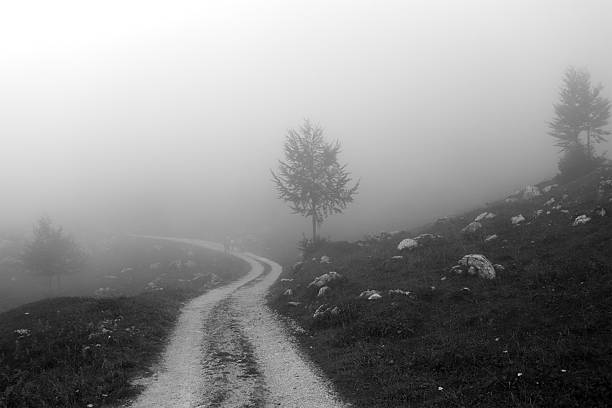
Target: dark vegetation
[
  {"x": 539, "y": 334},
  {"x": 75, "y": 351}
]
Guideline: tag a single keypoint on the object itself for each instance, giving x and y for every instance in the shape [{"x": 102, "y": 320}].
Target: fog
[{"x": 166, "y": 117}]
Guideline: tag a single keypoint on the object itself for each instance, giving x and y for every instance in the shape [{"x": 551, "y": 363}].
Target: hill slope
[{"x": 539, "y": 334}]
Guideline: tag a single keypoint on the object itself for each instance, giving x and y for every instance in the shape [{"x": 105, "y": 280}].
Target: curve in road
[{"x": 229, "y": 350}]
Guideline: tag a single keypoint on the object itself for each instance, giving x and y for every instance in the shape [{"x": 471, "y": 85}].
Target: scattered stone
[
  {"x": 286, "y": 280},
  {"x": 288, "y": 292},
  {"x": 550, "y": 202},
  {"x": 399, "y": 292},
  {"x": 325, "y": 259},
  {"x": 466, "y": 289},
  {"x": 531, "y": 192},
  {"x": 368, "y": 293},
  {"x": 581, "y": 219},
  {"x": 472, "y": 227},
  {"x": 478, "y": 264},
  {"x": 294, "y": 304},
  {"x": 374, "y": 296},
  {"x": 499, "y": 268},
  {"x": 548, "y": 188},
  {"x": 517, "y": 219},
  {"x": 600, "y": 211},
  {"x": 484, "y": 215},
  {"x": 325, "y": 279},
  {"x": 323, "y": 291},
  {"x": 335, "y": 311},
  {"x": 458, "y": 269},
  {"x": 490, "y": 238},
  {"x": 321, "y": 311},
  {"x": 397, "y": 257},
  {"x": 408, "y": 244},
  {"x": 539, "y": 212}
]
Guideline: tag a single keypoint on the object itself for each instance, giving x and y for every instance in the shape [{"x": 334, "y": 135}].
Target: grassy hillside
[
  {"x": 539, "y": 334},
  {"x": 76, "y": 351}
]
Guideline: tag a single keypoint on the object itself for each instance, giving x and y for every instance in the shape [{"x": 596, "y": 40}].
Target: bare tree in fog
[
  {"x": 52, "y": 253},
  {"x": 581, "y": 111},
  {"x": 311, "y": 180}
]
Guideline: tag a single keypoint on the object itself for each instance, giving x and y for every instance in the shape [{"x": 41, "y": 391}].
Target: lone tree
[
  {"x": 51, "y": 253},
  {"x": 581, "y": 111},
  {"x": 310, "y": 179}
]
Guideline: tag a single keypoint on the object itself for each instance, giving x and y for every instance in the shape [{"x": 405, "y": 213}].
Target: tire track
[{"x": 229, "y": 350}]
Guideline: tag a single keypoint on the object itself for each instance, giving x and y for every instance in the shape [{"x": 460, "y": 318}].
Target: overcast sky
[{"x": 166, "y": 116}]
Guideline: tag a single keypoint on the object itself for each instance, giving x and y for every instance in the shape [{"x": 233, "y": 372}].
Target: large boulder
[{"x": 476, "y": 264}]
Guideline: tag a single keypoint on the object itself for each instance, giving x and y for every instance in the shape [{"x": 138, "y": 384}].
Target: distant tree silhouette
[
  {"x": 310, "y": 179},
  {"x": 581, "y": 111},
  {"x": 51, "y": 253}
]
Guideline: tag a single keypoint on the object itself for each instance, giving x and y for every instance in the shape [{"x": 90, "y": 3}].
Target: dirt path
[{"x": 229, "y": 350}]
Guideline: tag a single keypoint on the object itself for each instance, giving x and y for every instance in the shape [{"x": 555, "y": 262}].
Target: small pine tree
[
  {"x": 310, "y": 179},
  {"x": 51, "y": 253},
  {"x": 581, "y": 111}
]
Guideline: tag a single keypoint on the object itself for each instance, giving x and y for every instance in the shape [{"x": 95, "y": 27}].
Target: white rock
[
  {"x": 323, "y": 291},
  {"x": 286, "y": 280},
  {"x": 335, "y": 311},
  {"x": 374, "y": 296},
  {"x": 539, "y": 212},
  {"x": 321, "y": 311},
  {"x": 548, "y": 188},
  {"x": 550, "y": 202},
  {"x": 325, "y": 259},
  {"x": 397, "y": 257},
  {"x": 368, "y": 293},
  {"x": 518, "y": 219},
  {"x": 399, "y": 292},
  {"x": 491, "y": 238},
  {"x": 288, "y": 292},
  {"x": 485, "y": 215},
  {"x": 531, "y": 192},
  {"x": 408, "y": 244},
  {"x": 581, "y": 219},
  {"x": 472, "y": 227},
  {"x": 325, "y": 279},
  {"x": 479, "y": 264}
]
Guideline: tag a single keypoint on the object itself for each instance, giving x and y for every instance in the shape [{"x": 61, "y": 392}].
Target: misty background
[{"x": 166, "y": 117}]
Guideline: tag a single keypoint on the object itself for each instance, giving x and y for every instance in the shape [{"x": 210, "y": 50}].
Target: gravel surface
[{"x": 229, "y": 350}]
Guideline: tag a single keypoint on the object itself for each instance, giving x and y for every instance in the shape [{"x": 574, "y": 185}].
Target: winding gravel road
[{"x": 229, "y": 350}]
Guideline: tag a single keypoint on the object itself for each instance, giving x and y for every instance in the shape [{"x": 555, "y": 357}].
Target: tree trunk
[
  {"x": 589, "y": 144},
  {"x": 314, "y": 222},
  {"x": 314, "y": 229}
]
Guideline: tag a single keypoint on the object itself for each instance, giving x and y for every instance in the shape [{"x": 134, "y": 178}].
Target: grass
[
  {"x": 540, "y": 334},
  {"x": 76, "y": 351}
]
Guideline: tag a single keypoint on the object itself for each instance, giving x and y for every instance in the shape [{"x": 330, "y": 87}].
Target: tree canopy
[
  {"x": 581, "y": 111},
  {"x": 51, "y": 253},
  {"x": 310, "y": 179}
]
